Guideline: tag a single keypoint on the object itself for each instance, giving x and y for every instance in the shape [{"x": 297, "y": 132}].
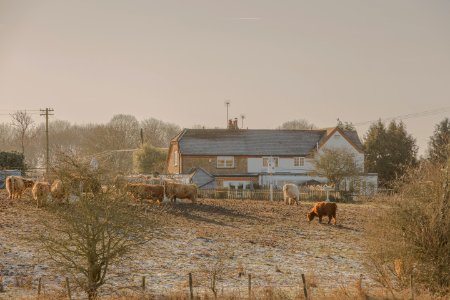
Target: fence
[
  {"x": 303, "y": 288},
  {"x": 264, "y": 194}
]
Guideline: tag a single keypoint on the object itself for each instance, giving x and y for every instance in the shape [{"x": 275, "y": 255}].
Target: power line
[{"x": 407, "y": 116}]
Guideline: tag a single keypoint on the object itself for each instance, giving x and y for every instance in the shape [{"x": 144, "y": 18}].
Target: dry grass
[{"x": 272, "y": 242}]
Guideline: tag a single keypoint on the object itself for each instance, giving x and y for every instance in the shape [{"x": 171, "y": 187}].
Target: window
[
  {"x": 225, "y": 162},
  {"x": 175, "y": 158},
  {"x": 299, "y": 161},
  {"x": 266, "y": 161}
]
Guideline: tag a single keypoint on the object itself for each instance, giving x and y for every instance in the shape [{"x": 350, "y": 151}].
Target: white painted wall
[
  {"x": 285, "y": 165},
  {"x": 280, "y": 180},
  {"x": 338, "y": 141}
]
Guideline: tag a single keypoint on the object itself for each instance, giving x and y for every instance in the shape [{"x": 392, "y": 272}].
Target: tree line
[
  {"x": 111, "y": 143},
  {"x": 389, "y": 149}
]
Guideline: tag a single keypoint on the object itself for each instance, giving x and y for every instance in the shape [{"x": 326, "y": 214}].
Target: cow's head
[{"x": 311, "y": 215}]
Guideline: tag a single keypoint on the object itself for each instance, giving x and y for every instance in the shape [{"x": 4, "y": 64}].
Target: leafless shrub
[
  {"x": 88, "y": 236},
  {"x": 217, "y": 267},
  {"x": 411, "y": 235}
]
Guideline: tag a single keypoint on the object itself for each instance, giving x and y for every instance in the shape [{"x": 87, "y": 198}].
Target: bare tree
[
  {"x": 89, "y": 236},
  {"x": 23, "y": 122},
  {"x": 299, "y": 124},
  {"x": 336, "y": 164}
]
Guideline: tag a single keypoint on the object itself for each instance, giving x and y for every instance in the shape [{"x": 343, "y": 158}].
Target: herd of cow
[
  {"x": 142, "y": 188},
  {"x": 136, "y": 186}
]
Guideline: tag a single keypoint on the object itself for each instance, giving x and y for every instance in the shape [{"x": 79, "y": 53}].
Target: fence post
[
  {"x": 249, "y": 286},
  {"x": 411, "y": 285},
  {"x": 304, "y": 286},
  {"x": 69, "y": 293},
  {"x": 39, "y": 286},
  {"x": 143, "y": 283},
  {"x": 191, "y": 290}
]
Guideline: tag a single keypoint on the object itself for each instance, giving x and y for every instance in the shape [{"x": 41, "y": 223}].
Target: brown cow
[
  {"x": 143, "y": 191},
  {"x": 16, "y": 185},
  {"x": 181, "y": 191},
  {"x": 40, "y": 191},
  {"x": 57, "y": 190},
  {"x": 323, "y": 209}
]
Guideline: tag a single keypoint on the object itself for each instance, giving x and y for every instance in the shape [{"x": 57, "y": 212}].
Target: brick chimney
[{"x": 230, "y": 124}]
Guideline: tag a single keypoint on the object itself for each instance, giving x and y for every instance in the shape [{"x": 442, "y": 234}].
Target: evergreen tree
[
  {"x": 438, "y": 146},
  {"x": 389, "y": 151},
  {"x": 148, "y": 159}
]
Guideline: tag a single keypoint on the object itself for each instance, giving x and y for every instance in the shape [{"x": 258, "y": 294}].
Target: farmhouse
[{"x": 244, "y": 158}]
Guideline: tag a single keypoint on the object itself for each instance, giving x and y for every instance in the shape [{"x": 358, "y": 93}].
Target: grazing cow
[
  {"x": 40, "y": 191},
  {"x": 291, "y": 193},
  {"x": 180, "y": 191},
  {"x": 57, "y": 190},
  {"x": 143, "y": 191},
  {"x": 323, "y": 209},
  {"x": 16, "y": 185}
]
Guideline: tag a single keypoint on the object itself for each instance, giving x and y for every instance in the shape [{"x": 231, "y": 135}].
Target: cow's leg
[
  {"x": 329, "y": 219},
  {"x": 320, "y": 218}
]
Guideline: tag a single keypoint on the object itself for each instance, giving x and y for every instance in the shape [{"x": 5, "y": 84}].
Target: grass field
[{"x": 269, "y": 240}]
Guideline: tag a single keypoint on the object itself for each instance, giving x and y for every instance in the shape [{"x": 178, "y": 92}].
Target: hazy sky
[{"x": 178, "y": 61}]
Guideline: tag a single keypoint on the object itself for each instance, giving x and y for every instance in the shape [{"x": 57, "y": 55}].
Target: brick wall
[
  {"x": 171, "y": 168},
  {"x": 209, "y": 163}
]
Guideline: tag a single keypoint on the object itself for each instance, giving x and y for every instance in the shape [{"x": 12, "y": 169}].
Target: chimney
[
  {"x": 235, "y": 124},
  {"x": 230, "y": 124}
]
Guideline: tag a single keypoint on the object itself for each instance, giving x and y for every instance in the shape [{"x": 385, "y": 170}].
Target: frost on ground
[{"x": 271, "y": 241}]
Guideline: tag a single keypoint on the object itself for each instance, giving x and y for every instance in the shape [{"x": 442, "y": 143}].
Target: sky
[{"x": 275, "y": 61}]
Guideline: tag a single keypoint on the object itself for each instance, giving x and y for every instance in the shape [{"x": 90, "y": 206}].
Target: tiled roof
[
  {"x": 354, "y": 138},
  {"x": 258, "y": 142}
]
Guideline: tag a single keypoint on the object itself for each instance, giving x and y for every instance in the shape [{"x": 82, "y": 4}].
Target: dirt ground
[{"x": 269, "y": 240}]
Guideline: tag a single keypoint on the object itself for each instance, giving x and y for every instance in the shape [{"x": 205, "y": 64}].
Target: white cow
[{"x": 291, "y": 193}]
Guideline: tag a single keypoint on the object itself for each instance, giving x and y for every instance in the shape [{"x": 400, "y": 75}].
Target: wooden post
[
  {"x": 359, "y": 286},
  {"x": 39, "y": 286},
  {"x": 249, "y": 286},
  {"x": 69, "y": 293},
  {"x": 191, "y": 290},
  {"x": 411, "y": 285},
  {"x": 304, "y": 286},
  {"x": 143, "y": 283}
]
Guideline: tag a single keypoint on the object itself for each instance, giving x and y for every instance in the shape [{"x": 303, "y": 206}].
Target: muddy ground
[{"x": 271, "y": 241}]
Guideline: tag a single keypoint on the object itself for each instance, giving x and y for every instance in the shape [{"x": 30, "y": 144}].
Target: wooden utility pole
[{"x": 46, "y": 113}]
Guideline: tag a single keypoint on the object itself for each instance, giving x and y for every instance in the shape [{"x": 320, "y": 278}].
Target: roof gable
[{"x": 350, "y": 136}]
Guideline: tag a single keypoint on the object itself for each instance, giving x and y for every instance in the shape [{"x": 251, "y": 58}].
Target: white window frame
[
  {"x": 175, "y": 158},
  {"x": 299, "y": 161},
  {"x": 225, "y": 162},
  {"x": 265, "y": 161}
]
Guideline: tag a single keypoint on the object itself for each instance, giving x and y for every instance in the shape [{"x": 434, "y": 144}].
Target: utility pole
[
  {"x": 46, "y": 113},
  {"x": 242, "y": 121},
  {"x": 227, "y": 103}
]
